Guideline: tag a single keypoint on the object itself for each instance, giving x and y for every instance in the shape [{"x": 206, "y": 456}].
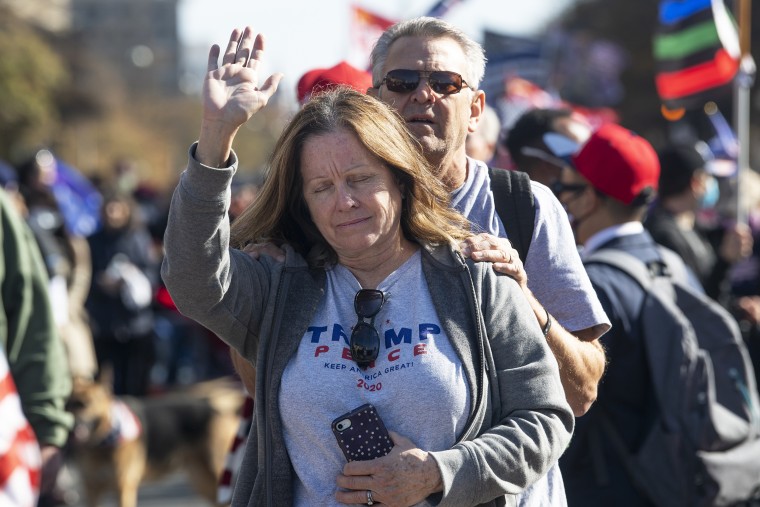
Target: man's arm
[{"x": 579, "y": 354}]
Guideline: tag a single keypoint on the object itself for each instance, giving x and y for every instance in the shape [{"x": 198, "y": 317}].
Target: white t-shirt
[
  {"x": 417, "y": 384},
  {"x": 556, "y": 277}
]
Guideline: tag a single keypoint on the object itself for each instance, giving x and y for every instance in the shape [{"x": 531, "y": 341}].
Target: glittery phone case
[{"x": 361, "y": 434}]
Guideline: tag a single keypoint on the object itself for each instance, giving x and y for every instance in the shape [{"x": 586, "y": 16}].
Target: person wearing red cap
[
  {"x": 614, "y": 169},
  {"x": 606, "y": 187},
  {"x": 341, "y": 74}
]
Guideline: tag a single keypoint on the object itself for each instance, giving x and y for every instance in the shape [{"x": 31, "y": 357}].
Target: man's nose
[{"x": 423, "y": 93}]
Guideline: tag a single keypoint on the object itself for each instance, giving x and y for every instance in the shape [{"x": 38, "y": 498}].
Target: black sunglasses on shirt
[{"x": 365, "y": 340}]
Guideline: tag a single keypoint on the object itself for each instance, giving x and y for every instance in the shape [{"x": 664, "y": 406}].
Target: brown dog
[{"x": 119, "y": 442}]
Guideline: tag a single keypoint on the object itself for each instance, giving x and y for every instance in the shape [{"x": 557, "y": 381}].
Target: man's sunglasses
[
  {"x": 365, "y": 340},
  {"x": 441, "y": 82}
]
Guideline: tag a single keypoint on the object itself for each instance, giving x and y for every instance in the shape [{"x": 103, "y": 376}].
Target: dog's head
[{"x": 90, "y": 403}]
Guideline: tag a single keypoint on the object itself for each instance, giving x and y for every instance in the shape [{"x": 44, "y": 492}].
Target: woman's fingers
[
  {"x": 242, "y": 49},
  {"x": 258, "y": 51},
  {"x": 213, "y": 58},
  {"x": 232, "y": 46},
  {"x": 245, "y": 47}
]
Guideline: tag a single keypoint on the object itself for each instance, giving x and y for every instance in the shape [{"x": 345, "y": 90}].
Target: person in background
[
  {"x": 526, "y": 147},
  {"x": 66, "y": 256},
  {"x": 35, "y": 353},
  {"x": 481, "y": 143},
  {"x": 320, "y": 80},
  {"x": 366, "y": 232},
  {"x": 607, "y": 189},
  {"x": 124, "y": 276},
  {"x": 686, "y": 187},
  {"x": 244, "y": 192}
]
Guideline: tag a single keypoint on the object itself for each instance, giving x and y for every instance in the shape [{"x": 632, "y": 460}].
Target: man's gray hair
[{"x": 436, "y": 29}]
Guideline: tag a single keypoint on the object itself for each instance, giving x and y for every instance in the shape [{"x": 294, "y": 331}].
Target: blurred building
[
  {"x": 138, "y": 37},
  {"x": 51, "y": 15}
]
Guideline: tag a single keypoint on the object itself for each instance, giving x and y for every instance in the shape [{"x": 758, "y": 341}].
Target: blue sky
[{"x": 303, "y": 35}]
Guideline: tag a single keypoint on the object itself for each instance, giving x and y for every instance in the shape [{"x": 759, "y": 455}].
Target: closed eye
[
  {"x": 359, "y": 178},
  {"x": 322, "y": 187}
]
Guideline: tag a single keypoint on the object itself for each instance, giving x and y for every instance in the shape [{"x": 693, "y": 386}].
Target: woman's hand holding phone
[{"x": 404, "y": 476}]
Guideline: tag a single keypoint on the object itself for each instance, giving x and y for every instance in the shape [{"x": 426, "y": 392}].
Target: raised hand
[{"x": 231, "y": 94}]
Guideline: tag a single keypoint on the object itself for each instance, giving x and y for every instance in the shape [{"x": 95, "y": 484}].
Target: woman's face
[{"x": 353, "y": 198}]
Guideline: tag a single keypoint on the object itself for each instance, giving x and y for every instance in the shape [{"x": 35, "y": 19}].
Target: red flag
[{"x": 366, "y": 27}]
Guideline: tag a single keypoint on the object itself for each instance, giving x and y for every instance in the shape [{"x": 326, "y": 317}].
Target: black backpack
[
  {"x": 513, "y": 197},
  {"x": 704, "y": 446}
]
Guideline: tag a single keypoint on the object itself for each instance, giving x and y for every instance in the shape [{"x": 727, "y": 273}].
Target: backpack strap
[
  {"x": 515, "y": 205},
  {"x": 625, "y": 262},
  {"x": 669, "y": 265},
  {"x": 677, "y": 270}
]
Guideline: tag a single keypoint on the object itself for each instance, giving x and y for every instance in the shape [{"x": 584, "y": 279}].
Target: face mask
[{"x": 712, "y": 193}]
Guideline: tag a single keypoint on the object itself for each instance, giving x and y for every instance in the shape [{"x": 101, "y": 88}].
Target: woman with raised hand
[{"x": 372, "y": 304}]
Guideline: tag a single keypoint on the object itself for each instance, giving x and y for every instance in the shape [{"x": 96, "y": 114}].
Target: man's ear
[
  {"x": 373, "y": 92},
  {"x": 477, "y": 106}
]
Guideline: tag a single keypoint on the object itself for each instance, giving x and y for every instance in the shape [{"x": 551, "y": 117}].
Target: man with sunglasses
[{"x": 429, "y": 71}]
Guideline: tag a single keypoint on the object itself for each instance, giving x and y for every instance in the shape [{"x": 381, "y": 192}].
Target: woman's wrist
[{"x": 215, "y": 145}]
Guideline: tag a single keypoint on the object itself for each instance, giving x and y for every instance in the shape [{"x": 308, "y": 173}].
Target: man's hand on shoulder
[
  {"x": 488, "y": 248},
  {"x": 256, "y": 250}
]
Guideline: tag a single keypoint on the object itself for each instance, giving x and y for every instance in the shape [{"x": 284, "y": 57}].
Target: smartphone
[{"x": 361, "y": 434}]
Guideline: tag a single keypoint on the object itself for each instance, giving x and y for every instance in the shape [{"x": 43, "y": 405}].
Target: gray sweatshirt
[{"x": 519, "y": 423}]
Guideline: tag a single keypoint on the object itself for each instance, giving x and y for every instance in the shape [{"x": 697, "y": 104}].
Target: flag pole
[{"x": 742, "y": 84}]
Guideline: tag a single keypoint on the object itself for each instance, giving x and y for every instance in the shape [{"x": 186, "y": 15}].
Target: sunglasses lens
[
  {"x": 365, "y": 344},
  {"x": 445, "y": 83},
  {"x": 368, "y": 302},
  {"x": 558, "y": 187},
  {"x": 402, "y": 80}
]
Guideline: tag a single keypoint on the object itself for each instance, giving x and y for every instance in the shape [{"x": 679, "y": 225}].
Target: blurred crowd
[{"x": 101, "y": 243}]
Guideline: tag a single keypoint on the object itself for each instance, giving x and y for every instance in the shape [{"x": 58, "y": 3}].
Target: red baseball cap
[
  {"x": 618, "y": 163},
  {"x": 343, "y": 73}
]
